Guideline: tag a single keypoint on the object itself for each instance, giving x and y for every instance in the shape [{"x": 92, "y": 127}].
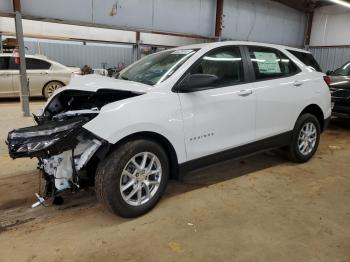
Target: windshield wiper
[{"x": 124, "y": 77}]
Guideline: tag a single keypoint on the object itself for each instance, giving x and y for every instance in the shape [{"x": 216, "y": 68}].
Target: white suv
[
  {"x": 175, "y": 111},
  {"x": 44, "y": 76}
]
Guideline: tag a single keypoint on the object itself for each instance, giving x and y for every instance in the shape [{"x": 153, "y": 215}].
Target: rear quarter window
[{"x": 307, "y": 59}]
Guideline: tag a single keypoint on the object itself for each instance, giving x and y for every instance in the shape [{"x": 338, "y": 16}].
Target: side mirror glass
[{"x": 197, "y": 82}]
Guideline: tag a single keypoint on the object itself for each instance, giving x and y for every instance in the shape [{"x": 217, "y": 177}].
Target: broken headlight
[
  {"x": 36, "y": 146},
  {"x": 50, "y": 138}
]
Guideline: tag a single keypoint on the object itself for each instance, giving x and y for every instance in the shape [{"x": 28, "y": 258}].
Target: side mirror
[
  {"x": 329, "y": 72},
  {"x": 197, "y": 82}
]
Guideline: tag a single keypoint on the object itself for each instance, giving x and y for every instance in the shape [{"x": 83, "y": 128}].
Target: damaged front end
[{"x": 65, "y": 150}]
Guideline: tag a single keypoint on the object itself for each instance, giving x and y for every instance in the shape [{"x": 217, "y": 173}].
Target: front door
[{"x": 223, "y": 116}]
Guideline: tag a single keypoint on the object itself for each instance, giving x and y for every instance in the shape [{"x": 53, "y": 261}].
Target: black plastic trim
[
  {"x": 326, "y": 123},
  {"x": 277, "y": 141}
]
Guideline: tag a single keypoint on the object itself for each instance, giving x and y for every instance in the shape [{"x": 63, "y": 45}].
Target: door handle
[
  {"x": 245, "y": 92},
  {"x": 44, "y": 73},
  {"x": 297, "y": 83}
]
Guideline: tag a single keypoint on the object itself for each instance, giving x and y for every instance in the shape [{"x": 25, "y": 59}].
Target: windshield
[
  {"x": 343, "y": 70},
  {"x": 154, "y": 69}
]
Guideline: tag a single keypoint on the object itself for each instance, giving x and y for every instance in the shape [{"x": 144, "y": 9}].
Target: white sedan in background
[{"x": 44, "y": 75}]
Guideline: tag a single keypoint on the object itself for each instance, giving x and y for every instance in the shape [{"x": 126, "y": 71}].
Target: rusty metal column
[
  {"x": 136, "y": 48},
  {"x": 308, "y": 27},
  {"x": 219, "y": 19},
  {"x": 1, "y": 47},
  {"x": 24, "y": 95}
]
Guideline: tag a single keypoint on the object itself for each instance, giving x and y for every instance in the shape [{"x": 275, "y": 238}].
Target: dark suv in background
[
  {"x": 338, "y": 81},
  {"x": 340, "y": 90}
]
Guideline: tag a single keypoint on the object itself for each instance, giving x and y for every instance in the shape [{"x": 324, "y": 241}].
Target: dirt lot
[{"x": 262, "y": 208}]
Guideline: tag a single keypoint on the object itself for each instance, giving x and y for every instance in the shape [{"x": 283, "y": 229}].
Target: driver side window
[{"x": 225, "y": 63}]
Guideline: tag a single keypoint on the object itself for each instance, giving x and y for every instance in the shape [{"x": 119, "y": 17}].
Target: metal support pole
[
  {"x": 308, "y": 27},
  {"x": 219, "y": 19},
  {"x": 1, "y": 47},
  {"x": 136, "y": 48},
  {"x": 24, "y": 96}
]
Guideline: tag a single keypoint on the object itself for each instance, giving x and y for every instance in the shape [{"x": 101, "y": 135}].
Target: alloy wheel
[
  {"x": 51, "y": 88},
  {"x": 307, "y": 138},
  {"x": 140, "y": 179}
]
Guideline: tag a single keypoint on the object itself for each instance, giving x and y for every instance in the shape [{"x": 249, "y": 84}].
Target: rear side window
[
  {"x": 4, "y": 63},
  {"x": 37, "y": 64},
  {"x": 31, "y": 64},
  {"x": 307, "y": 59},
  {"x": 12, "y": 64},
  {"x": 269, "y": 63},
  {"x": 225, "y": 63}
]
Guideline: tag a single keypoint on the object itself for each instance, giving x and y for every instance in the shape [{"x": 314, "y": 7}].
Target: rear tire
[
  {"x": 305, "y": 138},
  {"x": 51, "y": 87},
  {"x": 124, "y": 182}
]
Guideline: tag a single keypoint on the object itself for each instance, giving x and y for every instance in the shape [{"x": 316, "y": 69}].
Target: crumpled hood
[{"x": 94, "y": 82}]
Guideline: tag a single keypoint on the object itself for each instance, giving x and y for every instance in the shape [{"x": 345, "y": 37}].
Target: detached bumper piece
[
  {"x": 63, "y": 148},
  {"x": 51, "y": 138}
]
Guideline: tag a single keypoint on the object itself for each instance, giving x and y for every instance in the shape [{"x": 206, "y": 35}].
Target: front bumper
[
  {"x": 341, "y": 102},
  {"x": 341, "y": 107}
]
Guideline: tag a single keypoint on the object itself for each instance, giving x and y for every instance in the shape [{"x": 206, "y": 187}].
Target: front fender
[{"x": 155, "y": 112}]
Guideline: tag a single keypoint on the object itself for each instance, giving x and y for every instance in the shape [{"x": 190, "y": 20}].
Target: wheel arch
[
  {"x": 161, "y": 140},
  {"x": 317, "y": 112}
]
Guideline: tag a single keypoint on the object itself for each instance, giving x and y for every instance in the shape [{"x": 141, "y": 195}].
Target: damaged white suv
[{"x": 173, "y": 111}]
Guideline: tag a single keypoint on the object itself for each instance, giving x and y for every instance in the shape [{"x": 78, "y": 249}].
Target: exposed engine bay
[{"x": 65, "y": 150}]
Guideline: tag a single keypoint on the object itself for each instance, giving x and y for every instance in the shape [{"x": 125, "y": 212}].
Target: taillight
[{"x": 327, "y": 79}]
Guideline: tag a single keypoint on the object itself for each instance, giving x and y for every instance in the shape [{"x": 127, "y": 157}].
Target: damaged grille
[
  {"x": 59, "y": 141},
  {"x": 340, "y": 93}
]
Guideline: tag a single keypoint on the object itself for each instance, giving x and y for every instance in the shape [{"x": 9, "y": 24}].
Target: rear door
[
  {"x": 277, "y": 86},
  {"x": 6, "y": 88}
]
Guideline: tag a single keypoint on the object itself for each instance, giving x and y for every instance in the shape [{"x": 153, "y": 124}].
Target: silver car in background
[{"x": 44, "y": 75}]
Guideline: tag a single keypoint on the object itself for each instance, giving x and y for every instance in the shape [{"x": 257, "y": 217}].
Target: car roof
[
  {"x": 42, "y": 57},
  {"x": 224, "y": 43},
  {"x": 30, "y": 56}
]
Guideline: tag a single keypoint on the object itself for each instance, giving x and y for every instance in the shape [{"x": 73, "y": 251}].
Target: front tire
[
  {"x": 132, "y": 179},
  {"x": 305, "y": 138}
]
